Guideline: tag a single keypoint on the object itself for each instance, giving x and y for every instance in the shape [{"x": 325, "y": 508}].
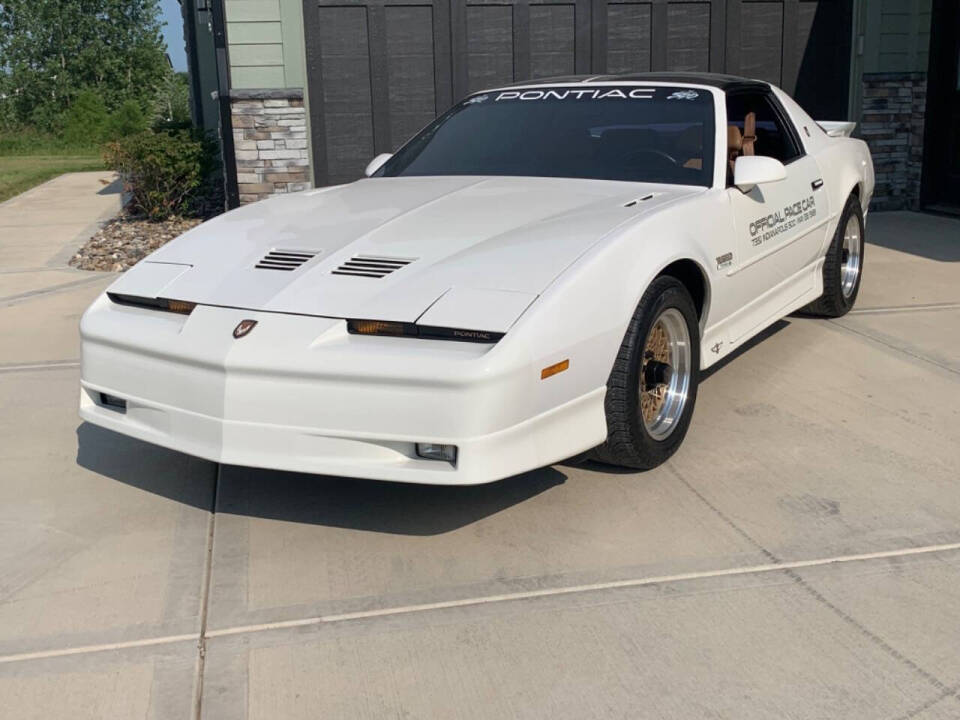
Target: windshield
[{"x": 639, "y": 134}]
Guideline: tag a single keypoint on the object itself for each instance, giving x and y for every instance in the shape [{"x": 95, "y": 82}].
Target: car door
[{"x": 779, "y": 226}]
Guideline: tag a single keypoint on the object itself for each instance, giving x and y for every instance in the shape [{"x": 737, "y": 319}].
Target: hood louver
[
  {"x": 370, "y": 266},
  {"x": 285, "y": 259}
]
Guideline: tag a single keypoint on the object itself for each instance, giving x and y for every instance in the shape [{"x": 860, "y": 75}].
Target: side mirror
[
  {"x": 752, "y": 170},
  {"x": 377, "y": 163}
]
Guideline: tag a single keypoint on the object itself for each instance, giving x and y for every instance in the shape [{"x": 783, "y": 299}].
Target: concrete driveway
[{"x": 799, "y": 558}]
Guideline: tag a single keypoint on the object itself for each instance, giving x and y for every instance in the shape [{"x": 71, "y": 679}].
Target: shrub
[
  {"x": 129, "y": 119},
  {"x": 166, "y": 173},
  {"x": 86, "y": 120}
]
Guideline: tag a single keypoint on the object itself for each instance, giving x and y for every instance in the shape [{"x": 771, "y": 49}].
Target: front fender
[{"x": 583, "y": 316}]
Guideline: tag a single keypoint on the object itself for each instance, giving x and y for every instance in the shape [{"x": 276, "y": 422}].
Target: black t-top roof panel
[{"x": 724, "y": 82}]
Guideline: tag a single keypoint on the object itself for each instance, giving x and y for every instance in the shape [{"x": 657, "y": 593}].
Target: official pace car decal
[{"x": 770, "y": 226}]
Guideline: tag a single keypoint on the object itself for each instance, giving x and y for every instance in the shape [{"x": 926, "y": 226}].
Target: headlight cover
[
  {"x": 426, "y": 332},
  {"x": 175, "y": 306}
]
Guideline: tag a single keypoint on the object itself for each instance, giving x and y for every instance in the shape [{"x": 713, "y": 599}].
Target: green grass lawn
[{"x": 22, "y": 172}]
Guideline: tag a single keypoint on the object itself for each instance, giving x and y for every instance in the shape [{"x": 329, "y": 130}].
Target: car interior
[
  {"x": 658, "y": 141},
  {"x": 741, "y": 141},
  {"x": 674, "y": 151},
  {"x": 759, "y": 132}
]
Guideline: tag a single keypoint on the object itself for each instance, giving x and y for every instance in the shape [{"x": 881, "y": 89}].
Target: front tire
[
  {"x": 843, "y": 267},
  {"x": 652, "y": 388}
]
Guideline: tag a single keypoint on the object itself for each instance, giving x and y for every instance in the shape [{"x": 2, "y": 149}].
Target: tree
[
  {"x": 52, "y": 50},
  {"x": 172, "y": 103},
  {"x": 8, "y": 117}
]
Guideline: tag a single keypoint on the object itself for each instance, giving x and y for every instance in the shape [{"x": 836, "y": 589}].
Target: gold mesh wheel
[
  {"x": 657, "y": 349},
  {"x": 665, "y": 373}
]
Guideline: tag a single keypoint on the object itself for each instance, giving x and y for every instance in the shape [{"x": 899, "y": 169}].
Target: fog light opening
[
  {"x": 433, "y": 451},
  {"x": 113, "y": 402}
]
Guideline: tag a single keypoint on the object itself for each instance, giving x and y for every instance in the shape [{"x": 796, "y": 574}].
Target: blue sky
[{"x": 173, "y": 33}]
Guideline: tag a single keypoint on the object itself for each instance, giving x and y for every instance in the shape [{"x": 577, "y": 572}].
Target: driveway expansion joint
[
  {"x": 880, "y": 341},
  {"x": 43, "y": 292},
  {"x": 33, "y": 367},
  {"x": 893, "y": 309},
  {"x": 205, "y": 601},
  {"x": 791, "y": 571},
  {"x": 785, "y": 566}
]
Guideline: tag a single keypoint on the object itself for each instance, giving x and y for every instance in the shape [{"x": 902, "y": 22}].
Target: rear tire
[
  {"x": 652, "y": 388},
  {"x": 843, "y": 267}
]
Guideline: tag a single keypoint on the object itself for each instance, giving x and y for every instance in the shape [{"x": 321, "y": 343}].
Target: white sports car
[{"x": 542, "y": 271}]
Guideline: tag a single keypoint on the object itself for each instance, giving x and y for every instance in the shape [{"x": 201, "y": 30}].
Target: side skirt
[{"x": 792, "y": 294}]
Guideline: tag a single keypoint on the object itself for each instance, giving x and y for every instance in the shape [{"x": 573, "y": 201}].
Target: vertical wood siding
[{"x": 378, "y": 70}]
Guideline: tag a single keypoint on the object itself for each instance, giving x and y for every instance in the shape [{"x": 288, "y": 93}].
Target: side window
[{"x": 761, "y": 129}]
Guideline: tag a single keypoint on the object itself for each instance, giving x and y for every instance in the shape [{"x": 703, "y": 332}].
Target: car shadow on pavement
[
  {"x": 388, "y": 507},
  {"x": 371, "y": 505},
  {"x": 186, "y": 479}
]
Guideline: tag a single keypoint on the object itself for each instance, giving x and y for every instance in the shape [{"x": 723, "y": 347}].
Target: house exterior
[{"x": 305, "y": 92}]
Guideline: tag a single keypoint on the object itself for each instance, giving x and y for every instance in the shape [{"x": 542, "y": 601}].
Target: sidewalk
[
  {"x": 43, "y": 227},
  {"x": 40, "y": 230}
]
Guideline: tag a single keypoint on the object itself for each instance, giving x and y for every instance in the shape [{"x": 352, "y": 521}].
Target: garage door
[{"x": 379, "y": 70}]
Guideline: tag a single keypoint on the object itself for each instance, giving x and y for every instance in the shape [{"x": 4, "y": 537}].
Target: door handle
[{"x": 817, "y": 184}]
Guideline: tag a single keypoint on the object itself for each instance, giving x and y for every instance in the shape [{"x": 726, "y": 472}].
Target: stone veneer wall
[
  {"x": 270, "y": 142},
  {"x": 892, "y": 125}
]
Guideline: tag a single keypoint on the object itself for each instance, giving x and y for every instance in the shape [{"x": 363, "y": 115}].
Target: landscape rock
[{"x": 122, "y": 242}]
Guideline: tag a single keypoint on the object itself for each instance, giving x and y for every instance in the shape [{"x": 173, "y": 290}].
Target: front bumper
[{"x": 298, "y": 393}]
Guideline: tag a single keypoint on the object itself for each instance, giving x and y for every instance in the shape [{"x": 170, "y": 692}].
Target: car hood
[{"x": 469, "y": 251}]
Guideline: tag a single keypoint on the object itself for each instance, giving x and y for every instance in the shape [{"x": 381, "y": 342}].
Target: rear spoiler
[{"x": 836, "y": 128}]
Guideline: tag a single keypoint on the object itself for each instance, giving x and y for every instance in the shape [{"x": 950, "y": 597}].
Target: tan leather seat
[
  {"x": 690, "y": 147},
  {"x": 749, "y": 134},
  {"x": 741, "y": 143},
  {"x": 734, "y": 145}
]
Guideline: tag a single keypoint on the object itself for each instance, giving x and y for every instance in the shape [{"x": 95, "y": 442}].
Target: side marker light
[{"x": 552, "y": 370}]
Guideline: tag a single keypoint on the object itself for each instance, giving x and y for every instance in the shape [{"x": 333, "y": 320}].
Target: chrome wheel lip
[
  {"x": 678, "y": 387},
  {"x": 852, "y": 254}
]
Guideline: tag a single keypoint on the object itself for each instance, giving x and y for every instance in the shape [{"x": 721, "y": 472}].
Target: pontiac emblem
[{"x": 244, "y": 328}]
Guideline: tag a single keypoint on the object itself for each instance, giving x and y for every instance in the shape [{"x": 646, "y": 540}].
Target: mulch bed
[{"x": 124, "y": 241}]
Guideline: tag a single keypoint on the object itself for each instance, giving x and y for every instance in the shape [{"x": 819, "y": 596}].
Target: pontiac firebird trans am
[{"x": 540, "y": 272}]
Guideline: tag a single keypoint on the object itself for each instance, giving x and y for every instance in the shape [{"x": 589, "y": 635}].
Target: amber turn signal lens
[
  {"x": 376, "y": 327},
  {"x": 179, "y": 306},
  {"x": 552, "y": 370}
]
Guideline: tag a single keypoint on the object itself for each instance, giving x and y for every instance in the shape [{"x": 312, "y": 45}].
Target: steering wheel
[{"x": 656, "y": 153}]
